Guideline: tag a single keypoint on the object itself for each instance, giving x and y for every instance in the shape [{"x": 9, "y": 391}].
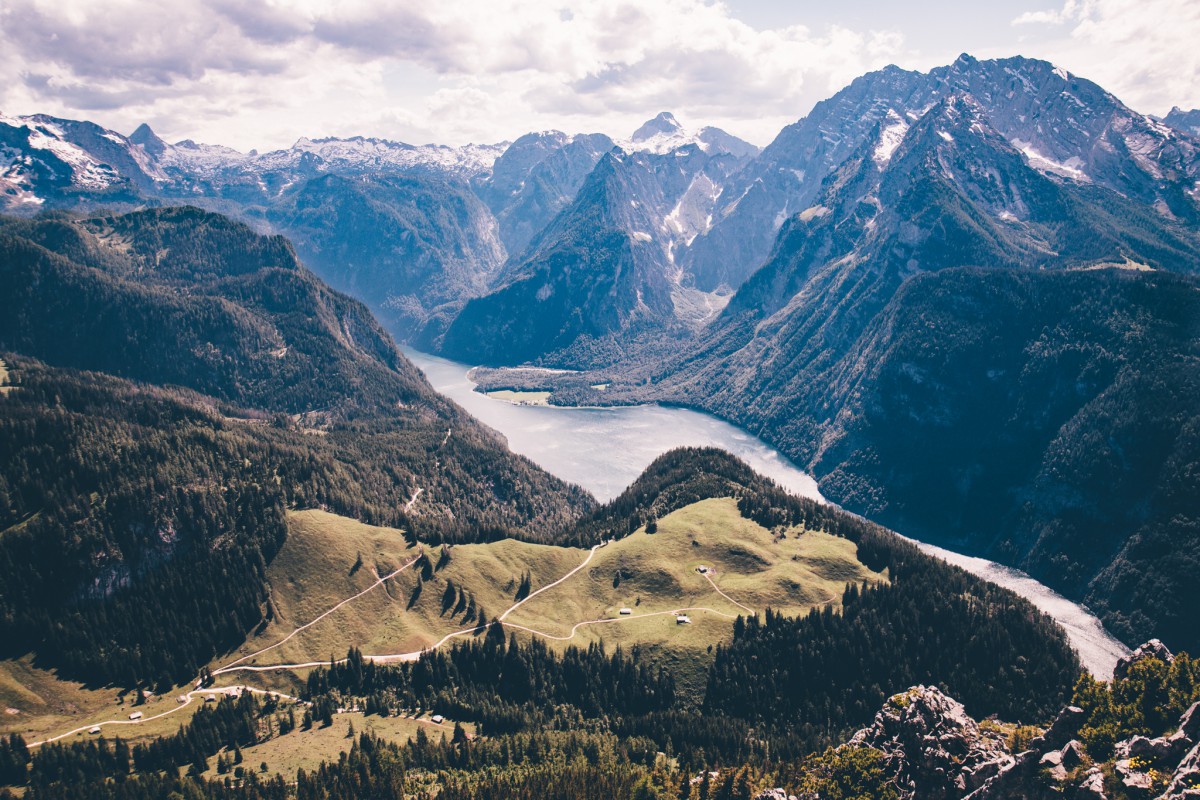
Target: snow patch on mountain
[
  {"x": 1071, "y": 168},
  {"x": 889, "y": 138}
]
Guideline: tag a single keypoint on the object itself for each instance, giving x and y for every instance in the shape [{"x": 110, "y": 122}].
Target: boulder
[
  {"x": 1189, "y": 724},
  {"x": 1072, "y": 754},
  {"x": 1064, "y": 728},
  {"x": 1151, "y": 649},
  {"x": 1052, "y": 761},
  {"x": 1186, "y": 780},
  {"x": 1132, "y": 778},
  {"x": 774, "y": 794},
  {"x": 1092, "y": 787}
]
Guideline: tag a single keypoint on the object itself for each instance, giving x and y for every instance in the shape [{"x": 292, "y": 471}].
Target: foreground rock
[
  {"x": 933, "y": 750},
  {"x": 932, "y": 747}
]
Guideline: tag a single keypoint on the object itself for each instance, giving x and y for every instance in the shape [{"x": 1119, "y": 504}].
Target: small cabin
[
  {"x": 136, "y": 715},
  {"x": 683, "y": 619},
  {"x": 626, "y": 611},
  {"x": 437, "y": 719},
  {"x": 181, "y": 699},
  {"x": 703, "y": 570},
  {"x": 94, "y": 730},
  {"x": 210, "y": 698}
]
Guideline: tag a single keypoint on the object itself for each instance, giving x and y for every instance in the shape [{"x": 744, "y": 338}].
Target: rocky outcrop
[
  {"x": 1145, "y": 766},
  {"x": 1055, "y": 753},
  {"x": 1151, "y": 649},
  {"x": 934, "y": 750}
]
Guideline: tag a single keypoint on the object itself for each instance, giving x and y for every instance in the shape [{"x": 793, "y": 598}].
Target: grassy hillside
[
  {"x": 790, "y": 570},
  {"x": 313, "y": 572},
  {"x": 37, "y": 704}
]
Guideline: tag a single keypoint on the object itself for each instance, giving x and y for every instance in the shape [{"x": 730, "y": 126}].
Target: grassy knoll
[
  {"x": 307, "y": 749},
  {"x": 521, "y": 397},
  {"x": 35, "y": 703},
  {"x": 651, "y": 574},
  {"x": 658, "y": 573},
  {"x": 315, "y": 570}
]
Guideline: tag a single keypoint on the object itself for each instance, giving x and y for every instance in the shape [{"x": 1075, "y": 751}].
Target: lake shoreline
[{"x": 605, "y": 448}]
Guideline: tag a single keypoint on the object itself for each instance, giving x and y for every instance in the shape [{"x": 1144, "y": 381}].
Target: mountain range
[
  {"x": 966, "y": 300},
  {"x": 945, "y": 261}
]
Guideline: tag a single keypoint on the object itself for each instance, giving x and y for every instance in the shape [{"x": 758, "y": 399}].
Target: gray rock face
[
  {"x": 932, "y": 747},
  {"x": 935, "y": 751},
  {"x": 1063, "y": 124},
  {"x": 1186, "y": 781},
  {"x": 1176, "y": 756},
  {"x": 1092, "y": 787}
]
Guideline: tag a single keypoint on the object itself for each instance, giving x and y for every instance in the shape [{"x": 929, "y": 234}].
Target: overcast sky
[{"x": 260, "y": 73}]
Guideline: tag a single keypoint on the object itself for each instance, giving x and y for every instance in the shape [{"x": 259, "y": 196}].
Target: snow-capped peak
[
  {"x": 664, "y": 124},
  {"x": 663, "y": 134}
]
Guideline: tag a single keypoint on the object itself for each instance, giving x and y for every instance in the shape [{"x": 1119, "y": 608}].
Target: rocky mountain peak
[
  {"x": 1184, "y": 121},
  {"x": 663, "y": 124},
  {"x": 149, "y": 140}
]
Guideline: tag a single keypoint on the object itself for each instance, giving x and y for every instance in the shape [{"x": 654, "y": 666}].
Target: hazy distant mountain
[
  {"x": 535, "y": 179},
  {"x": 607, "y": 265},
  {"x": 1186, "y": 121},
  {"x": 405, "y": 244}
]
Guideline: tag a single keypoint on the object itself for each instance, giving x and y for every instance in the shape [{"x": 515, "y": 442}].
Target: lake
[{"x": 605, "y": 449}]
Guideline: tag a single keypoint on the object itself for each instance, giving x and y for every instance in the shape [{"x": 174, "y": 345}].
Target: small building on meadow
[
  {"x": 626, "y": 611},
  {"x": 683, "y": 619},
  {"x": 437, "y": 719},
  {"x": 94, "y": 730},
  {"x": 703, "y": 570},
  {"x": 135, "y": 715}
]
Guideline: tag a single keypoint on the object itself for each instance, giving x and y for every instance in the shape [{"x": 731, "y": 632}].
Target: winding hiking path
[
  {"x": 532, "y": 595},
  {"x": 192, "y": 695},
  {"x": 708, "y": 577},
  {"x": 414, "y": 655},
  {"x": 238, "y": 666},
  {"x": 233, "y": 664}
]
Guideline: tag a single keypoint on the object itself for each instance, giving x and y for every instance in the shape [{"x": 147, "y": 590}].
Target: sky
[{"x": 262, "y": 73}]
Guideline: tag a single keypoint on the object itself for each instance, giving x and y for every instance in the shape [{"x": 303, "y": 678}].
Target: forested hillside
[
  {"x": 137, "y": 518},
  {"x": 781, "y": 690},
  {"x": 1044, "y": 419}
]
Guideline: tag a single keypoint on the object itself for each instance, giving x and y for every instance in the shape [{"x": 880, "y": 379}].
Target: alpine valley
[{"x": 248, "y": 551}]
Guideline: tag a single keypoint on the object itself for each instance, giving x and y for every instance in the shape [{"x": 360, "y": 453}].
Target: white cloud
[
  {"x": 1143, "y": 51},
  {"x": 1068, "y": 12},
  {"x": 255, "y": 72}
]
